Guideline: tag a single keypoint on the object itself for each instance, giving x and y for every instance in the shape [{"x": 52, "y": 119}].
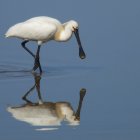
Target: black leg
[
  {"x": 37, "y": 60},
  {"x": 23, "y": 45},
  {"x": 37, "y": 81},
  {"x": 37, "y": 86},
  {"x": 27, "y": 93}
]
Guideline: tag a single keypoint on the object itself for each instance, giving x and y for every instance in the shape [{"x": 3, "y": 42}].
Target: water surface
[{"x": 110, "y": 110}]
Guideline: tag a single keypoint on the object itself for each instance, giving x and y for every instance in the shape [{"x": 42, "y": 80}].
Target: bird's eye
[{"x": 75, "y": 28}]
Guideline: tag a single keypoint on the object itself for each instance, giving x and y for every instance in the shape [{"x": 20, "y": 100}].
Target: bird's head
[{"x": 73, "y": 25}]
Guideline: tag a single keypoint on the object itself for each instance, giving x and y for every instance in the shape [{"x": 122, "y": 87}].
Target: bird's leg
[
  {"x": 23, "y": 45},
  {"x": 27, "y": 93},
  {"x": 37, "y": 60},
  {"x": 37, "y": 81}
]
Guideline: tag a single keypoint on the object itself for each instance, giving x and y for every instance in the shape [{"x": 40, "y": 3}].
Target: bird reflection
[{"x": 47, "y": 114}]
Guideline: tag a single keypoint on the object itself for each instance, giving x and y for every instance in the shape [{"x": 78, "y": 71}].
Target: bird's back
[
  {"x": 44, "y": 19},
  {"x": 47, "y": 113},
  {"x": 36, "y": 115},
  {"x": 37, "y": 28}
]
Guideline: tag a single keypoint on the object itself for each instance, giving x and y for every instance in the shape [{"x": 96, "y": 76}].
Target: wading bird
[
  {"x": 44, "y": 113},
  {"x": 43, "y": 29}
]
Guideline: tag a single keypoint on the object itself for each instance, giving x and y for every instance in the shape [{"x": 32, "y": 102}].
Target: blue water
[{"x": 109, "y": 32}]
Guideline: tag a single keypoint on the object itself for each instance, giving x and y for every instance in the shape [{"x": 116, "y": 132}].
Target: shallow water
[
  {"x": 109, "y": 109},
  {"x": 110, "y": 74},
  {"x": 56, "y": 85}
]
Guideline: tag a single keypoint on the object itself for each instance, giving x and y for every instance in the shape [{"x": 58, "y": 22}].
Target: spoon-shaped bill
[
  {"x": 81, "y": 51},
  {"x": 82, "y": 94}
]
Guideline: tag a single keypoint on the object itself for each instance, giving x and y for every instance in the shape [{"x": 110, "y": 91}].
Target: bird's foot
[
  {"x": 37, "y": 64},
  {"x": 37, "y": 59}
]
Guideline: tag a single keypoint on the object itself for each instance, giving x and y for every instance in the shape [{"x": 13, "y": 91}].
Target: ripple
[
  {"x": 8, "y": 71},
  {"x": 62, "y": 71},
  {"x": 12, "y": 71}
]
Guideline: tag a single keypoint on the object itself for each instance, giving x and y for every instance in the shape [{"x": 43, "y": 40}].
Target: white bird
[
  {"x": 44, "y": 113},
  {"x": 43, "y": 29}
]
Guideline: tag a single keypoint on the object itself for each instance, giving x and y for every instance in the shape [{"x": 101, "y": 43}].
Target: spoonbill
[
  {"x": 47, "y": 113},
  {"x": 43, "y": 29}
]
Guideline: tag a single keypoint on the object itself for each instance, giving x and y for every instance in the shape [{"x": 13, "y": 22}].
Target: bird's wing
[
  {"x": 33, "y": 30},
  {"x": 44, "y": 19}
]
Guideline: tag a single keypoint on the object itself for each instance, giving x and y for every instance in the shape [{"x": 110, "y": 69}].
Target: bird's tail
[
  {"x": 7, "y": 34},
  {"x": 10, "y": 32}
]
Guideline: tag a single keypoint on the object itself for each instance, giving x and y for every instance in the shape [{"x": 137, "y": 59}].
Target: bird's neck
[{"x": 63, "y": 34}]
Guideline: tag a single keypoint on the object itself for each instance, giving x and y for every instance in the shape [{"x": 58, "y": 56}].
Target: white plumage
[
  {"x": 39, "y": 29},
  {"x": 47, "y": 114},
  {"x": 43, "y": 29}
]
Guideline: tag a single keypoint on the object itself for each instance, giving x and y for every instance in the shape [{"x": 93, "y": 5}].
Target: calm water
[{"x": 108, "y": 79}]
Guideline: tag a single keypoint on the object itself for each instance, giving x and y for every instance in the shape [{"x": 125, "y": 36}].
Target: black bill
[
  {"x": 81, "y": 51},
  {"x": 82, "y": 94}
]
